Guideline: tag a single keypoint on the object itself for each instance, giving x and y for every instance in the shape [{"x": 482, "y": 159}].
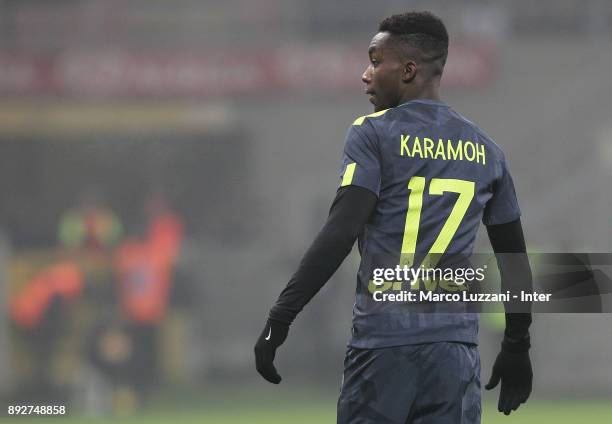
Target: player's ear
[{"x": 409, "y": 71}]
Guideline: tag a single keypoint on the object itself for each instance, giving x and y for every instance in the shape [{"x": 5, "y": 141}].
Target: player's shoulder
[
  {"x": 481, "y": 135},
  {"x": 367, "y": 128},
  {"x": 361, "y": 120},
  {"x": 373, "y": 125}
]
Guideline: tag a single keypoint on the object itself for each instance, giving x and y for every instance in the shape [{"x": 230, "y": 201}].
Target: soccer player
[{"x": 416, "y": 178}]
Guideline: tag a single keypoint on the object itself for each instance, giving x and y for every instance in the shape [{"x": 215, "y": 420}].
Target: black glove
[
  {"x": 272, "y": 336},
  {"x": 513, "y": 368}
]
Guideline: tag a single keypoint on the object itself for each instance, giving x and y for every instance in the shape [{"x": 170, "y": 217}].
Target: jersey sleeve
[
  {"x": 361, "y": 159},
  {"x": 503, "y": 206}
]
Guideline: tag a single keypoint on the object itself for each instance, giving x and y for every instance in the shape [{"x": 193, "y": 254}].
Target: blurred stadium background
[{"x": 164, "y": 164}]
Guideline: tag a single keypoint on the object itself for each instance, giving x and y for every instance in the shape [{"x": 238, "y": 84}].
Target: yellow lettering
[
  {"x": 455, "y": 154},
  {"x": 480, "y": 153},
  {"x": 440, "y": 150},
  {"x": 428, "y": 143},
  {"x": 426, "y": 147},
  {"x": 415, "y": 145},
  {"x": 472, "y": 149},
  {"x": 404, "y": 145}
]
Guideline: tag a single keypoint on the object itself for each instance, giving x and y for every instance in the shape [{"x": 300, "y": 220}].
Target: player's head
[{"x": 407, "y": 57}]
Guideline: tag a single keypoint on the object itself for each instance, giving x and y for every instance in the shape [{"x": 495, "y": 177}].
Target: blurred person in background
[
  {"x": 41, "y": 315},
  {"x": 145, "y": 265},
  {"x": 90, "y": 226},
  {"x": 126, "y": 349},
  {"x": 404, "y": 366}
]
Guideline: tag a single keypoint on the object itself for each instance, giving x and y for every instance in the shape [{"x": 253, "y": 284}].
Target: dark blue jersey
[{"x": 436, "y": 176}]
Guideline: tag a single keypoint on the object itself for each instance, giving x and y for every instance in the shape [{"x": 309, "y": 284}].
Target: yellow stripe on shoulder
[
  {"x": 360, "y": 120},
  {"x": 347, "y": 179}
]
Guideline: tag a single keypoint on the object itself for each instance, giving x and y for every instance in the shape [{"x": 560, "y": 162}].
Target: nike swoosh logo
[{"x": 269, "y": 334}]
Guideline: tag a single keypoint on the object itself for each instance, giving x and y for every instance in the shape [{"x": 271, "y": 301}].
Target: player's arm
[
  {"x": 348, "y": 214},
  {"x": 513, "y": 365}
]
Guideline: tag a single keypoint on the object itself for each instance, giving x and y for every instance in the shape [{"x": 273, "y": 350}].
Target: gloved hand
[
  {"x": 513, "y": 368},
  {"x": 272, "y": 336}
]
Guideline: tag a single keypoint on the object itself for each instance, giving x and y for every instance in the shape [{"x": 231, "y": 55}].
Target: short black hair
[{"x": 421, "y": 30}]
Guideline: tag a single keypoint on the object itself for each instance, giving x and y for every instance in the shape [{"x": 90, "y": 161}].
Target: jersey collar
[{"x": 426, "y": 101}]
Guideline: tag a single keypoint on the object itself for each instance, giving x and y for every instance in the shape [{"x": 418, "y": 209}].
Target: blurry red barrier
[{"x": 118, "y": 73}]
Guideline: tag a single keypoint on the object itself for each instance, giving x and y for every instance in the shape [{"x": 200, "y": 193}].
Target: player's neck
[{"x": 430, "y": 92}]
